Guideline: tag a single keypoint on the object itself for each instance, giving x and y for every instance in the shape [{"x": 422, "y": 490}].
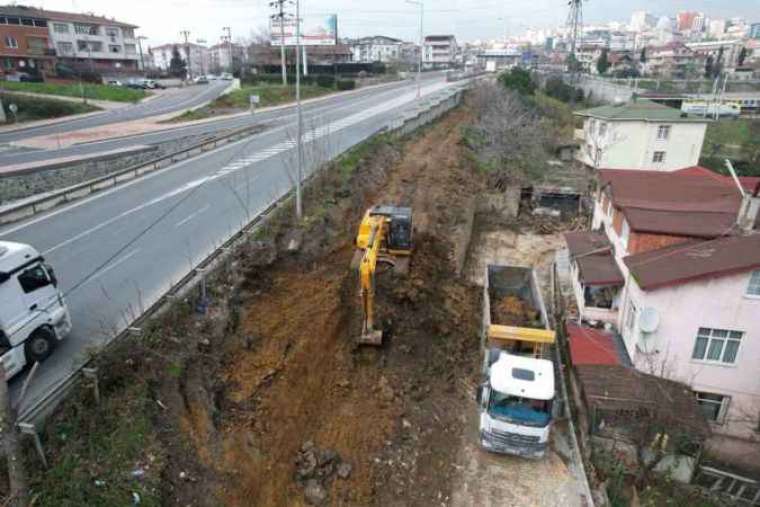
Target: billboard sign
[{"x": 315, "y": 31}]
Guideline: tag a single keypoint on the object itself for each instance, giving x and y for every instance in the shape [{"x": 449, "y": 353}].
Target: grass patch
[
  {"x": 239, "y": 100},
  {"x": 34, "y": 108},
  {"x": 103, "y": 454},
  {"x": 91, "y": 91},
  {"x": 735, "y": 140}
]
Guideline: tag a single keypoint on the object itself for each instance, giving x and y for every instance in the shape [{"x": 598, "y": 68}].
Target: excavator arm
[{"x": 367, "y": 270}]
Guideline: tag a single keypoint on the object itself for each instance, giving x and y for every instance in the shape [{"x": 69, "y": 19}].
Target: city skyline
[{"x": 468, "y": 20}]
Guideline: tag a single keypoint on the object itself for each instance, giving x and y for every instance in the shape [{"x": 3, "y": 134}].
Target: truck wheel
[{"x": 39, "y": 345}]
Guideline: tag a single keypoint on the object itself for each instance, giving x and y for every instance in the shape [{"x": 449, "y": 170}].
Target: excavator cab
[{"x": 385, "y": 236}]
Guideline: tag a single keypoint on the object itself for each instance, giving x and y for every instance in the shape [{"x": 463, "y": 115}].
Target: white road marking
[{"x": 191, "y": 216}]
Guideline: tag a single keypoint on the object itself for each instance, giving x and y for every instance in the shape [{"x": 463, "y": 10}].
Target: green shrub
[
  {"x": 346, "y": 84},
  {"x": 325, "y": 81}
]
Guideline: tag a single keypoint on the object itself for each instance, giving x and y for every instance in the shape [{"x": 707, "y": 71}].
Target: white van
[{"x": 33, "y": 313}]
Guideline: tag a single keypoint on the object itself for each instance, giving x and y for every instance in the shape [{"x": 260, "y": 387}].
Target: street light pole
[
  {"x": 421, "y": 3},
  {"x": 299, "y": 175},
  {"x": 229, "y": 45}
]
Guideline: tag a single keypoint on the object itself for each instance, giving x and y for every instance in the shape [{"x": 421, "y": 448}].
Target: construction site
[{"x": 268, "y": 398}]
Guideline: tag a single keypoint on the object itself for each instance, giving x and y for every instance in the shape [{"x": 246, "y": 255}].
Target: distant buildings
[
  {"x": 754, "y": 31},
  {"x": 378, "y": 48},
  {"x": 195, "y": 56},
  {"x": 440, "y": 51},
  {"x": 642, "y": 20},
  {"x": 226, "y": 57}
]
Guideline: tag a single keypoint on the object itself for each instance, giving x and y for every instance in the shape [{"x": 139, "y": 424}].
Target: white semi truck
[
  {"x": 33, "y": 312},
  {"x": 517, "y": 393}
]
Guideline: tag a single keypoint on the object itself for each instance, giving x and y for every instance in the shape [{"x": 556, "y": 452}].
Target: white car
[{"x": 33, "y": 313}]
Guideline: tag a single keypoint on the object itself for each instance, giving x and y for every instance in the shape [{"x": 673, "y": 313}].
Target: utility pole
[
  {"x": 575, "y": 25},
  {"x": 139, "y": 45},
  {"x": 421, "y": 3},
  {"x": 299, "y": 176},
  {"x": 229, "y": 45},
  {"x": 186, "y": 35},
  {"x": 280, "y": 15}
]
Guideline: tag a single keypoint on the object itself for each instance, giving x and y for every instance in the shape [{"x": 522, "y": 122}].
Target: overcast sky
[{"x": 162, "y": 20}]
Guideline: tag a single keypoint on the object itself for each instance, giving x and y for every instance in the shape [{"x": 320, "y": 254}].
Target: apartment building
[
  {"x": 226, "y": 57},
  {"x": 674, "y": 60},
  {"x": 724, "y": 51},
  {"x": 673, "y": 263},
  {"x": 95, "y": 43},
  {"x": 378, "y": 48},
  {"x": 640, "y": 135},
  {"x": 25, "y": 46},
  {"x": 196, "y": 57},
  {"x": 440, "y": 52}
]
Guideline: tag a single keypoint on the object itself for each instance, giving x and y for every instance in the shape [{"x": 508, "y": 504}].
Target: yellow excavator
[{"x": 385, "y": 236}]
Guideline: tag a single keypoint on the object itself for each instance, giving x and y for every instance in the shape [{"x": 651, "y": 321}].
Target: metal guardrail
[
  {"x": 14, "y": 213},
  {"x": 41, "y": 407}
]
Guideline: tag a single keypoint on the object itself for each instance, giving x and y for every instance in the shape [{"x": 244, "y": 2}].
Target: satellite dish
[{"x": 649, "y": 320}]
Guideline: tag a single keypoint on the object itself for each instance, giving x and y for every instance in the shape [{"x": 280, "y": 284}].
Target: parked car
[
  {"x": 31, "y": 78},
  {"x": 115, "y": 82},
  {"x": 226, "y": 76},
  {"x": 150, "y": 84},
  {"x": 200, "y": 80}
]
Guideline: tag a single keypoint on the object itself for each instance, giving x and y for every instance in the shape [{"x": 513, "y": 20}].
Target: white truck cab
[
  {"x": 516, "y": 405},
  {"x": 33, "y": 313}
]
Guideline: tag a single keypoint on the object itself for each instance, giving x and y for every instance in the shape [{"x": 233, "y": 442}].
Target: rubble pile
[
  {"x": 316, "y": 469},
  {"x": 513, "y": 311}
]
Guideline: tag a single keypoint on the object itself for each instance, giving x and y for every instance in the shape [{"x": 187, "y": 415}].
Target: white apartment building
[
  {"x": 198, "y": 62},
  {"x": 225, "y": 57},
  {"x": 89, "y": 42},
  {"x": 642, "y": 20},
  {"x": 440, "y": 51},
  {"x": 640, "y": 135},
  {"x": 378, "y": 48}
]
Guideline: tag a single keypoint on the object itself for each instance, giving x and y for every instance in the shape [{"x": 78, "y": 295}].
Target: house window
[
  {"x": 86, "y": 29},
  {"x": 663, "y": 132},
  {"x": 717, "y": 345},
  {"x": 130, "y": 49},
  {"x": 114, "y": 49},
  {"x": 754, "y": 284},
  {"x": 659, "y": 157},
  {"x": 7, "y": 63},
  {"x": 37, "y": 44},
  {"x": 11, "y": 42},
  {"x": 65, "y": 48},
  {"x": 713, "y": 406},
  {"x": 112, "y": 32},
  {"x": 60, "y": 27}
]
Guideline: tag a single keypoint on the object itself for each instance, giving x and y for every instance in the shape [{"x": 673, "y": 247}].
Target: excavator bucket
[{"x": 374, "y": 338}]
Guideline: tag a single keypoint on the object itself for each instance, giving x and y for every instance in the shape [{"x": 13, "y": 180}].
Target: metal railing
[{"x": 27, "y": 208}]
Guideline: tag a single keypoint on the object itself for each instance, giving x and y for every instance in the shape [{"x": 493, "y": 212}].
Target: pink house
[{"x": 673, "y": 264}]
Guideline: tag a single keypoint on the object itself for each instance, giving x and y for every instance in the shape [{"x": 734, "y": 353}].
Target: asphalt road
[
  {"x": 270, "y": 118},
  {"x": 168, "y": 102},
  {"x": 117, "y": 252}
]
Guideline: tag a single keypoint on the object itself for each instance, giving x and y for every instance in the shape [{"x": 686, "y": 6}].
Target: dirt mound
[{"x": 513, "y": 311}]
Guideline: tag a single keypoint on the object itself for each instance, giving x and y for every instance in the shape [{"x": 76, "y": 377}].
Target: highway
[
  {"x": 117, "y": 252},
  {"x": 169, "y": 101},
  {"x": 270, "y": 118}
]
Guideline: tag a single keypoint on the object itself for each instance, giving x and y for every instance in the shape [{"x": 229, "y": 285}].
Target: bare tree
[{"x": 507, "y": 137}]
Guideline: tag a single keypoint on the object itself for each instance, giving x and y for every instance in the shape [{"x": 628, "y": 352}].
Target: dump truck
[{"x": 516, "y": 396}]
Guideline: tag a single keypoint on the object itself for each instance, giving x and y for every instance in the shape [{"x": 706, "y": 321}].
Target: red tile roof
[
  {"x": 22, "y": 10},
  {"x": 751, "y": 184},
  {"x": 674, "y": 203},
  {"x": 695, "y": 260},
  {"x": 592, "y": 252},
  {"x": 591, "y": 346}
]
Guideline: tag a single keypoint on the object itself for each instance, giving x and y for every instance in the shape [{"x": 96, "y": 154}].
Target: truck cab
[
  {"x": 33, "y": 313},
  {"x": 516, "y": 405}
]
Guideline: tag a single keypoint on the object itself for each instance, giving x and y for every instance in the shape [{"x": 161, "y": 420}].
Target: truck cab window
[{"x": 33, "y": 278}]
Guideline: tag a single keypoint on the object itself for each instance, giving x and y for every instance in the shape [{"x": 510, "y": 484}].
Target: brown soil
[
  {"x": 295, "y": 375},
  {"x": 514, "y": 311}
]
